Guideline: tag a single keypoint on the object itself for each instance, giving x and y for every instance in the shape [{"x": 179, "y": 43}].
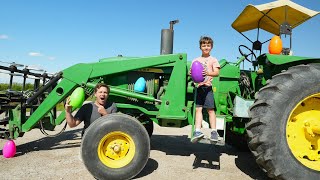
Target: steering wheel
[{"x": 246, "y": 55}]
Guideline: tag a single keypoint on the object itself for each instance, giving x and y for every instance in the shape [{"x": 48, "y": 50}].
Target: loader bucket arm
[{"x": 80, "y": 74}]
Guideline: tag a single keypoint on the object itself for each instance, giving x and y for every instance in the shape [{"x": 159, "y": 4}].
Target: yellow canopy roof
[{"x": 280, "y": 11}]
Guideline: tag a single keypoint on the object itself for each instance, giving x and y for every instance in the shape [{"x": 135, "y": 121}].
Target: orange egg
[{"x": 275, "y": 45}]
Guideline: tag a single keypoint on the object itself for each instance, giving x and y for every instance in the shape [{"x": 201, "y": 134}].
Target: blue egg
[{"x": 140, "y": 85}]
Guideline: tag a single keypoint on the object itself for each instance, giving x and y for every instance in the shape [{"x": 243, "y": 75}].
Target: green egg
[{"x": 77, "y": 97}]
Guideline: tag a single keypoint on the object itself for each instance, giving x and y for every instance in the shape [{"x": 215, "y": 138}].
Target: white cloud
[
  {"x": 35, "y": 54},
  {"x": 3, "y": 36},
  {"x": 38, "y": 54},
  {"x": 51, "y": 58}
]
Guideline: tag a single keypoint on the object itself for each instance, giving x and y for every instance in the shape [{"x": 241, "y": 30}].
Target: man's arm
[
  {"x": 71, "y": 121},
  {"x": 101, "y": 109}
]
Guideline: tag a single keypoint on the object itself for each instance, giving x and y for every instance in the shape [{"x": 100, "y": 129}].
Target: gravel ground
[{"x": 172, "y": 157}]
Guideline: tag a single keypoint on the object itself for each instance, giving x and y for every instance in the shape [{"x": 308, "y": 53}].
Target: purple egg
[{"x": 196, "y": 72}]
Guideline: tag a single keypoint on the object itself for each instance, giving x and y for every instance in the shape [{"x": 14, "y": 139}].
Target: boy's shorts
[{"x": 205, "y": 97}]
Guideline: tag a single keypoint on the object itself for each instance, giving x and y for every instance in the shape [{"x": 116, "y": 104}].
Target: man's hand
[
  {"x": 67, "y": 106},
  {"x": 101, "y": 109}
]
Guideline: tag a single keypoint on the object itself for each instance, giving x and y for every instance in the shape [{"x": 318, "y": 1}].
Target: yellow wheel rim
[
  {"x": 116, "y": 149},
  {"x": 303, "y": 132}
]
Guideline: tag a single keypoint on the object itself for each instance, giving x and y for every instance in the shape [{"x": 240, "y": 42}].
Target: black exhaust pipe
[{"x": 167, "y": 39}]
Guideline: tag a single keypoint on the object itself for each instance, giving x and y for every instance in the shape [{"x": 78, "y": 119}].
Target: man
[{"x": 89, "y": 112}]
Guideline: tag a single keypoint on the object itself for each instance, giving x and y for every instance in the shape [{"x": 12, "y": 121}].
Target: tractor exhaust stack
[{"x": 167, "y": 39}]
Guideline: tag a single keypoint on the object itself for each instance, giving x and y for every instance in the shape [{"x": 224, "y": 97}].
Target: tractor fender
[{"x": 284, "y": 59}]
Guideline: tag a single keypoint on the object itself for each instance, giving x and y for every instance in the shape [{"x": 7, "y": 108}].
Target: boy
[{"x": 204, "y": 90}]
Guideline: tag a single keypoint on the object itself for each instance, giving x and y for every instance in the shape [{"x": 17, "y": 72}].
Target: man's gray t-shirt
[{"x": 89, "y": 113}]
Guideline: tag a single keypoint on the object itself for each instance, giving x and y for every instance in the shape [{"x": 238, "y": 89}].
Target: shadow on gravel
[
  {"x": 207, "y": 155},
  {"x": 151, "y": 166},
  {"x": 50, "y": 143},
  {"x": 247, "y": 164}
]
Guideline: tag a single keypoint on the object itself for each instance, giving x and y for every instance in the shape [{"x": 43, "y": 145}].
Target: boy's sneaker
[
  {"x": 197, "y": 135},
  {"x": 214, "y": 136}
]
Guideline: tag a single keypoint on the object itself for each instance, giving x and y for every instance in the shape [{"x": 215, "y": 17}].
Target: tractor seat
[{"x": 287, "y": 51}]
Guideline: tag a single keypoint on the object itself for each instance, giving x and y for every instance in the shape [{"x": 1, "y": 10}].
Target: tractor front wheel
[
  {"x": 284, "y": 131},
  {"x": 115, "y": 146}
]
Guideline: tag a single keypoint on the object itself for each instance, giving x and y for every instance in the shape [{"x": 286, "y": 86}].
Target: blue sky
[{"x": 56, "y": 34}]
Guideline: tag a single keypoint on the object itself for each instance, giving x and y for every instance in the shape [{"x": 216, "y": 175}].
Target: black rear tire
[
  {"x": 107, "y": 132},
  {"x": 271, "y": 112}
]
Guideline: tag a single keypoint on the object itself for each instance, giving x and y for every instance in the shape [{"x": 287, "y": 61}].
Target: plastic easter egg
[
  {"x": 9, "y": 149},
  {"x": 77, "y": 97},
  {"x": 140, "y": 85},
  {"x": 275, "y": 45},
  {"x": 196, "y": 72}
]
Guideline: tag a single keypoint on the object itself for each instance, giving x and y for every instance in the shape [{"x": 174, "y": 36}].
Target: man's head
[
  {"x": 206, "y": 44},
  {"x": 101, "y": 92}
]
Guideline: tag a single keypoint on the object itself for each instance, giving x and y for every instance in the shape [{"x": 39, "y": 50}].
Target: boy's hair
[
  {"x": 205, "y": 40},
  {"x": 99, "y": 85}
]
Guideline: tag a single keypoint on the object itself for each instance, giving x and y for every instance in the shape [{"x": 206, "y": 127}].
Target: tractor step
[
  {"x": 220, "y": 125},
  {"x": 206, "y": 140}
]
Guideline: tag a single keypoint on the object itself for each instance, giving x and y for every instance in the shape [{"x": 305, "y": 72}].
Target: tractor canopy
[{"x": 271, "y": 16}]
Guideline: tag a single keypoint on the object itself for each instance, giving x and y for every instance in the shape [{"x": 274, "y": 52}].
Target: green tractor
[
  {"x": 283, "y": 128},
  {"x": 275, "y": 106}
]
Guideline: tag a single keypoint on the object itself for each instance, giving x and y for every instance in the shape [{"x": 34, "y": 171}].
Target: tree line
[{"x": 15, "y": 86}]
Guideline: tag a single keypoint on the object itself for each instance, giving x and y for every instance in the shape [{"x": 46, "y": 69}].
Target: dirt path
[{"x": 172, "y": 157}]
